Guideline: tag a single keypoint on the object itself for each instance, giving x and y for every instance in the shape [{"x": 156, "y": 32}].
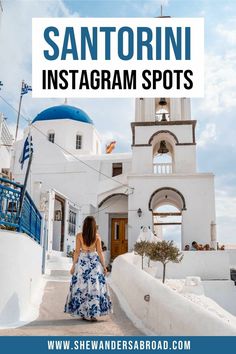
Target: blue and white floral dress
[{"x": 88, "y": 294}]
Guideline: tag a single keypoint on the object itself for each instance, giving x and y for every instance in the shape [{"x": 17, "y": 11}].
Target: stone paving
[{"x": 53, "y": 321}]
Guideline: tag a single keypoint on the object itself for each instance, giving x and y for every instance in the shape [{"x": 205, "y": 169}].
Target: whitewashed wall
[
  {"x": 223, "y": 292},
  {"x": 20, "y": 275},
  {"x": 167, "y": 313},
  {"x": 209, "y": 265},
  {"x": 232, "y": 257},
  {"x": 88, "y": 132}
]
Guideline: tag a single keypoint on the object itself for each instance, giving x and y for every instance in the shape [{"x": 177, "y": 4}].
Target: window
[
  {"x": 72, "y": 223},
  {"x": 51, "y": 137},
  {"x": 117, "y": 169},
  {"x": 78, "y": 142}
]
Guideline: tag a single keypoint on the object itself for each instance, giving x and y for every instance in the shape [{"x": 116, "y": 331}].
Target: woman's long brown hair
[{"x": 89, "y": 231}]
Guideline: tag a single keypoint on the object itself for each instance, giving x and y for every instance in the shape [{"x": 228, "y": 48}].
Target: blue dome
[{"x": 63, "y": 112}]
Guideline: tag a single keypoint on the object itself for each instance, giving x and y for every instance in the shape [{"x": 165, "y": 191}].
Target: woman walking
[{"x": 88, "y": 296}]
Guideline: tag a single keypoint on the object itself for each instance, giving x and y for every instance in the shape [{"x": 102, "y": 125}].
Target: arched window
[
  {"x": 78, "y": 142},
  {"x": 51, "y": 136},
  {"x": 163, "y": 158},
  {"x": 167, "y": 205},
  {"x": 167, "y": 224},
  {"x": 163, "y": 143}
]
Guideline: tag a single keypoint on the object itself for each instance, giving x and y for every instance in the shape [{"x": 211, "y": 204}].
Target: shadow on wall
[{"x": 11, "y": 311}]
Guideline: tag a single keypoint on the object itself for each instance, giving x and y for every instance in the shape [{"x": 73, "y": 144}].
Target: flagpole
[
  {"x": 25, "y": 185},
  {"x": 19, "y": 109}
]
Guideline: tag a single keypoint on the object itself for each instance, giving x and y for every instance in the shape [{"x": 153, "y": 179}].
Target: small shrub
[
  {"x": 141, "y": 248},
  {"x": 164, "y": 252}
]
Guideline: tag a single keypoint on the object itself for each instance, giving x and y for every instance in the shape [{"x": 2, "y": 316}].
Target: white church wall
[
  {"x": 139, "y": 199},
  {"x": 107, "y": 160},
  {"x": 198, "y": 191},
  {"x": 72, "y": 128},
  {"x": 97, "y": 148},
  {"x": 161, "y": 315},
  {"x": 142, "y": 160},
  {"x": 21, "y": 259},
  {"x": 185, "y": 159},
  {"x": 102, "y": 220}
]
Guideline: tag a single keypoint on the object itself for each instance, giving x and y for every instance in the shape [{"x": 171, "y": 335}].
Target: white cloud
[
  {"x": 207, "y": 135},
  {"x": 220, "y": 83},
  {"x": 220, "y": 70},
  {"x": 225, "y": 217},
  {"x": 226, "y": 205},
  {"x": 15, "y": 38},
  {"x": 227, "y": 31}
]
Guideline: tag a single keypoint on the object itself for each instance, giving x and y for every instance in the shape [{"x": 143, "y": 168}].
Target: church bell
[
  {"x": 162, "y": 102},
  {"x": 163, "y": 148}
]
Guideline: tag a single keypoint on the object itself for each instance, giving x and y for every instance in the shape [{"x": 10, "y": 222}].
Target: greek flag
[
  {"x": 25, "y": 89},
  {"x": 27, "y": 150},
  {"x": 1, "y": 84}
]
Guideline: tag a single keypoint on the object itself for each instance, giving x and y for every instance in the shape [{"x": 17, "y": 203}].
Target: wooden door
[{"x": 119, "y": 236}]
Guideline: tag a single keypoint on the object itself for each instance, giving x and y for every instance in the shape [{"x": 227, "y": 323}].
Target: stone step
[{"x": 60, "y": 273}]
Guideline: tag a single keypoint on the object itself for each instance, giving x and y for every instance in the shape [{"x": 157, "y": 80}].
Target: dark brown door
[
  {"x": 119, "y": 236},
  {"x": 62, "y": 220}
]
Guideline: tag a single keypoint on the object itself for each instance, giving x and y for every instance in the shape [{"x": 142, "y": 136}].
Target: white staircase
[{"x": 57, "y": 267}]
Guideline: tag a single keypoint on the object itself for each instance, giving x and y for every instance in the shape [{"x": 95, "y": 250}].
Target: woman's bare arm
[
  {"x": 100, "y": 253},
  {"x": 76, "y": 253}
]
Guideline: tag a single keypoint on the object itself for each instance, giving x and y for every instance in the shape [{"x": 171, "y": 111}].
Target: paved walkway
[{"x": 52, "y": 321}]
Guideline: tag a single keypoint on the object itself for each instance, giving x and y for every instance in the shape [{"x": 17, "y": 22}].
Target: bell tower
[
  {"x": 152, "y": 109},
  {"x": 164, "y": 173},
  {"x": 163, "y": 126}
]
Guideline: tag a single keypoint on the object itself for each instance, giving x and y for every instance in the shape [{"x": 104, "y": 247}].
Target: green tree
[
  {"x": 141, "y": 248},
  {"x": 164, "y": 252}
]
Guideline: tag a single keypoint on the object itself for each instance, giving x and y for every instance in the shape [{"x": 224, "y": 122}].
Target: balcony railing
[
  {"x": 162, "y": 168},
  {"x": 30, "y": 219}
]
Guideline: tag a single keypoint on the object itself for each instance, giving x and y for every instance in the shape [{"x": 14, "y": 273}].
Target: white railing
[{"x": 162, "y": 168}]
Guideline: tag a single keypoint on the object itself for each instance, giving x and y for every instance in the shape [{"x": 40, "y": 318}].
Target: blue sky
[{"x": 216, "y": 128}]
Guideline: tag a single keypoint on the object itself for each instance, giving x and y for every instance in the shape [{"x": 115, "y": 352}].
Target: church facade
[{"x": 156, "y": 185}]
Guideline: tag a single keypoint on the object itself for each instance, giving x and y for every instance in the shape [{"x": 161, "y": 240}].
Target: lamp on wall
[{"x": 139, "y": 212}]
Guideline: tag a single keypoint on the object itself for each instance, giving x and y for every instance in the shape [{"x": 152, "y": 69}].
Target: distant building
[
  {"x": 6, "y": 141},
  {"x": 156, "y": 185}
]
